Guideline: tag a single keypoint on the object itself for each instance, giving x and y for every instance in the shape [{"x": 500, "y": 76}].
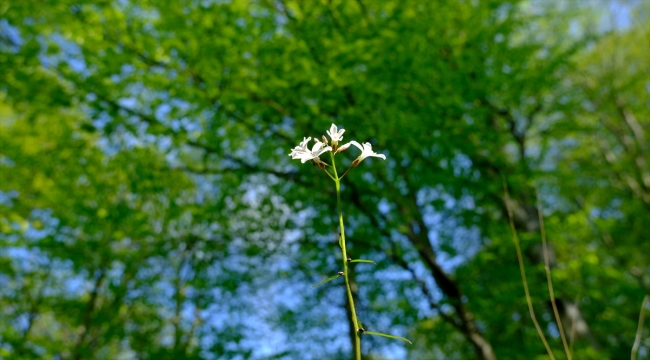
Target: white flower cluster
[{"x": 304, "y": 154}]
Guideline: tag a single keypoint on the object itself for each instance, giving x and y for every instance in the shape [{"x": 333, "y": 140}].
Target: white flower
[
  {"x": 300, "y": 148},
  {"x": 335, "y": 134},
  {"x": 303, "y": 153},
  {"x": 366, "y": 151}
]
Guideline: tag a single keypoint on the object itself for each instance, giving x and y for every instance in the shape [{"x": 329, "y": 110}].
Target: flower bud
[
  {"x": 340, "y": 273},
  {"x": 349, "y": 259},
  {"x": 342, "y": 148},
  {"x": 324, "y": 139}
]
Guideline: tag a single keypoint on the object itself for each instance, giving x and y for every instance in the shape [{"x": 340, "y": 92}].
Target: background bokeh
[{"x": 149, "y": 210}]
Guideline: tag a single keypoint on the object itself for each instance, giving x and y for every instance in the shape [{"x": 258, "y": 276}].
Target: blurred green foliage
[{"x": 149, "y": 210}]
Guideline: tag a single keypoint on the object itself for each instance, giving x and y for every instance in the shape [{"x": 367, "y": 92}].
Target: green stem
[
  {"x": 357, "y": 339},
  {"x": 330, "y": 175},
  {"x": 345, "y": 173}
]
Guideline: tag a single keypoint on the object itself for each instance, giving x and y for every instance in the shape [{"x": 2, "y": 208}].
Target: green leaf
[
  {"x": 326, "y": 280},
  {"x": 341, "y": 242},
  {"x": 364, "y": 261},
  {"x": 388, "y": 336}
]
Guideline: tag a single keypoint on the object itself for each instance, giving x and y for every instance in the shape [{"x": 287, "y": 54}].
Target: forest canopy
[{"x": 149, "y": 210}]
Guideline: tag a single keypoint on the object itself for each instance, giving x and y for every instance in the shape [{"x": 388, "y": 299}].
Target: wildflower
[
  {"x": 366, "y": 151},
  {"x": 303, "y": 153},
  {"x": 336, "y": 135}
]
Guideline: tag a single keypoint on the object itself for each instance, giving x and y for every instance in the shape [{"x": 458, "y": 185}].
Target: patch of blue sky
[
  {"x": 10, "y": 38},
  {"x": 25, "y": 258},
  {"x": 266, "y": 339},
  {"x": 7, "y": 197},
  {"x": 5, "y": 161},
  {"x": 620, "y": 14},
  {"x": 69, "y": 52},
  {"x": 461, "y": 164},
  {"x": 446, "y": 229},
  {"x": 73, "y": 284}
]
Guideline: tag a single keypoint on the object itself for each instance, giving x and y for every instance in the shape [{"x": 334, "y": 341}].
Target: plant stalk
[
  {"x": 357, "y": 339},
  {"x": 522, "y": 270}
]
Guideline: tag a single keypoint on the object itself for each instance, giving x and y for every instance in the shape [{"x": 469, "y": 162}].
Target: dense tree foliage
[{"x": 149, "y": 210}]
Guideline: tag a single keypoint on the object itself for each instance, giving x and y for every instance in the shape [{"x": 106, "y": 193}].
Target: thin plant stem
[
  {"x": 573, "y": 331},
  {"x": 523, "y": 272},
  {"x": 572, "y": 335},
  {"x": 639, "y": 329},
  {"x": 330, "y": 175},
  {"x": 357, "y": 339},
  {"x": 346, "y": 172},
  {"x": 549, "y": 278}
]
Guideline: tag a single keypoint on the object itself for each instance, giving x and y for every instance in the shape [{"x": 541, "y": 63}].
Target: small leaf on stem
[
  {"x": 388, "y": 336},
  {"x": 326, "y": 280},
  {"x": 363, "y": 261}
]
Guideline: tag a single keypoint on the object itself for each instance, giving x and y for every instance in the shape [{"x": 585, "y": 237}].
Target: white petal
[
  {"x": 356, "y": 144},
  {"x": 317, "y": 146},
  {"x": 333, "y": 130},
  {"x": 323, "y": 150}
]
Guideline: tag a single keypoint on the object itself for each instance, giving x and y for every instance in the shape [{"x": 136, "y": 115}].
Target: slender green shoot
[
  {"x": 357, "y": 339},
  {"x": 523, "y": 271},
  {"x": 639, "y": 329},
  {"x": 549, "y": 278}
]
